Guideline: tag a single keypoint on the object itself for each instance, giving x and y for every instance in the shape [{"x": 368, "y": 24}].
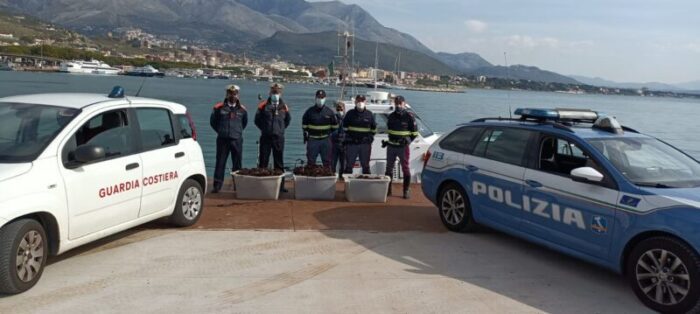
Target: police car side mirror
[
  {"x": 586, "y": 174},
  {"x": 89, "y": 153}
]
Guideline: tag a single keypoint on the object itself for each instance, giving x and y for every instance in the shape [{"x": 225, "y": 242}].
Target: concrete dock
[{"x": 291, "y": 256}]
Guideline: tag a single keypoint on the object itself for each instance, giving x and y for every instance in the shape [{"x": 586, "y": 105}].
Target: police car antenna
[
  {"x": 143, "y": 81},
  {"x": 510, "y": 111}
]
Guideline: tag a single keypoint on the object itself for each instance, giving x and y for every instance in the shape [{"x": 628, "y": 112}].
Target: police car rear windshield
[
  {"x": 26, "y": 129},
  {"x": 649, "y": 162}
]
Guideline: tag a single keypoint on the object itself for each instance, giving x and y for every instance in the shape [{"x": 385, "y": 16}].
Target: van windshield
[
  {"x": 649, "y": 162},
  {"x": 26, "y": 129}
]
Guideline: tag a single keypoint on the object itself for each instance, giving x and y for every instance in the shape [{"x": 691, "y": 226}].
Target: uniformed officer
[
  {"x": 402, "y": 130},
  {"x": 318, "y": 123},
  {"x": 338, "y": 141},
  {"x": 228, "y": 119},
  {"x": 359, "y": 127},
  {"x": 272, "y": 118}
]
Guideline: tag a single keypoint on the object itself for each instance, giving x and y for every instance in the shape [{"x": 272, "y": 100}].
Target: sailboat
[
  {"x": 377, "y": 84},
  {"x": 397, "y": 83}
]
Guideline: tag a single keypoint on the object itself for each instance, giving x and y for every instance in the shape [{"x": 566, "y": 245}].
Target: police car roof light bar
[
  {"x": 558, "y": 114},
  {"x": 117, "y": 92}
]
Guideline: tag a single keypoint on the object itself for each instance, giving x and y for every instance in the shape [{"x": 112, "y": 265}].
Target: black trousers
[
  {"x": 355, "y": 151},
  {"x": 224, "y": 147},
  {"x": 271, "y": 144}
]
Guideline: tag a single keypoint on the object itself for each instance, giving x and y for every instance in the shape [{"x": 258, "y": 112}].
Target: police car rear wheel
[
  {"x": 455, "y": 210},
  {"x": 665, "y": 275},
  {"x": 23, "y": 253},
  {"x": 190, "y": 204}
]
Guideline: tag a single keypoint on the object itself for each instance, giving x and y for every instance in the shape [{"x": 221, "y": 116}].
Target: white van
[{"x": 78, "y": 167}]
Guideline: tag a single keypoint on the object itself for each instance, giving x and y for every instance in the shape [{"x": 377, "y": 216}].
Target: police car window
[
  {"x": 109, "y": 130},
  {"x": 381, "y": 120},
  {"x": 504, "y": 145},
  {"x": 156, "y": 127},
  {"x": 185, "y": 127},
  {"x": 460, "y": 140},
  {"x": 560, "y": 156}
]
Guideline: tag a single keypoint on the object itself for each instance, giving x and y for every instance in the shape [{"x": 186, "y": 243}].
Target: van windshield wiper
[{"x": 654, "y": 185}]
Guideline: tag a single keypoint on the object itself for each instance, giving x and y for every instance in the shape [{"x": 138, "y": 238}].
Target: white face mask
[
  {"x": 275, "y": 98},
  {"x": 361, "y": 105},
  {"x": 320, "y": 102}
]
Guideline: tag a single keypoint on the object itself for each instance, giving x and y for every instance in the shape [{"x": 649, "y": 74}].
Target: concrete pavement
[{"x": 195, "y": 271}]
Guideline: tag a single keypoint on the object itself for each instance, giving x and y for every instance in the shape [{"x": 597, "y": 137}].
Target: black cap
[
  {"x": 320, "y": 93},
  {"x": 399, "y": 99},
  {"x": 360, "y": 98}
]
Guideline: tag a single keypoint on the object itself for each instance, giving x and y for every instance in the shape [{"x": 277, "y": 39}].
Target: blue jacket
[
  {"x": 272, "y": 120},
  {"x": 229, "y": 121}
]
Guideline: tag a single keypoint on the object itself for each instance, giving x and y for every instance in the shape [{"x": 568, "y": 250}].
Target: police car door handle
[
  {"x": 132, "y": 166},
  {"x": 472, "y": 168},
  {"x": 533, "y": 183},
  {"x": 179, "y": 154}
]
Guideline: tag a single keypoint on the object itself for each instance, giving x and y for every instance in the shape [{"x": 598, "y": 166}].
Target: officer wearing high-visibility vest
[
  {"x": 402, "y": 130},
  {"x": 359, "y": 126},
  {"x": 318, "y": 123},
  {"x": 228, "y": 119}
]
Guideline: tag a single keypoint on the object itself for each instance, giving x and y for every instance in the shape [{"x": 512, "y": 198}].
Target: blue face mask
[
  {"x": 275, "y": 98},
  {"x": 320, "y": 102}
]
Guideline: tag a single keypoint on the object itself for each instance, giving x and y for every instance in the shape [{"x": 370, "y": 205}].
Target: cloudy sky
[{"x": 621, "y": 40}]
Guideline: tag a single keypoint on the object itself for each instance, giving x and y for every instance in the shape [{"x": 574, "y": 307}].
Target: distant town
[{"x": 130, "y": 50}]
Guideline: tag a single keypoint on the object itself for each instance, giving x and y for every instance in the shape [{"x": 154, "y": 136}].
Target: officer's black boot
[{"x": 406, "y": 187}]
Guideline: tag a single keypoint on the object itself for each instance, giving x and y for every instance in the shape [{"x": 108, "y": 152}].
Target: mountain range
[
  {"x": 267, "y": 28},
  {"x": 657, "y": 86}
]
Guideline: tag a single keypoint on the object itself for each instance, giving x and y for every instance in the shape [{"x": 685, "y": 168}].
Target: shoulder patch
[
  {"x": 219, "y": 105},
  {"x": 261, "y": 105}
]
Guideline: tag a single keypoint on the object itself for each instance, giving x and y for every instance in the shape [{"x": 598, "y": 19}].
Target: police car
[
  {"x": 578, "y": 182},
  {"x": 78, "y": 167}
]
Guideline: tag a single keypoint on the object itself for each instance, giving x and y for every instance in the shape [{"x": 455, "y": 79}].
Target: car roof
[
  {"x": 82, "y": 100},
  {"x": 582, "y": 130}
]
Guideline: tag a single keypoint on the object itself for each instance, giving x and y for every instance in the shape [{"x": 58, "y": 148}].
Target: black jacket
[
  {"x": 272, "y": 120},
  {"x": 359, "y": 127},
  {"x": 319, "y": 122},
  {"x": 229, "y": 121},
  {"x": 401, "y": 127}
]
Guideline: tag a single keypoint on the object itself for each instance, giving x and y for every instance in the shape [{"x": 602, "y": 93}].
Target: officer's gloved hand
[
  {"x": 384, "y": 143},
  {"x": 306, "y": 137}
]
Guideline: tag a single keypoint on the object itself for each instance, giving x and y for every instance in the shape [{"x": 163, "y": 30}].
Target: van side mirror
[
  {"x": 586, "y": 174},
  {"x": 89, "y": 153}
]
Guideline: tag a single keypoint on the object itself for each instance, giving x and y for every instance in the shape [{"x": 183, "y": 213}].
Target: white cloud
[
  {"x": 476, "y": 26},
  {"x": 529, "y": 42},
  {"x": 693, "y": 47}
]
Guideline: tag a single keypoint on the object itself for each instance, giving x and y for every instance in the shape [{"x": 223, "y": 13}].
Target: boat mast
[
  {"x": 376, "y": 64},
  {"x": 347, "y": 43}
]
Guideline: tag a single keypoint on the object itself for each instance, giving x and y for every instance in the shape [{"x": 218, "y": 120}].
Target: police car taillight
[
  {"x": 194, "y": 130},
  {"x": 426, "y": 157}
]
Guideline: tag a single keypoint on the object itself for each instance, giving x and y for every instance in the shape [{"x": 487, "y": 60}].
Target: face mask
[
  {"x": 320, "y": 102},
  {"x": 275, "y": 98},
  {"x": 361, "y": 105},
  {"x": 340, "y": 112}
]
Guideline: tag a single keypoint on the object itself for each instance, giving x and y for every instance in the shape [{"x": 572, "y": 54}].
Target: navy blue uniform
[
  {"x": 228, "y": 121},
  {"x": 338, "y": 146},
  {"x": 359, "y": 128},
  {"x": 402, "y": 130},
  {"x": 272, "y": 120},
  {"x": 318, "y": 123}
]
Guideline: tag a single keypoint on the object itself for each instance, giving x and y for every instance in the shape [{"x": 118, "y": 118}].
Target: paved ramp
[{"x": 192, "y": 271}]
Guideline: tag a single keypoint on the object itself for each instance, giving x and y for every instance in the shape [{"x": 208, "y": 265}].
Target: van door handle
[
  {"x": 472, "y": 168},
  {"x": 132, "y": 166},
  {"x": 179, "y": 154},
  {"x": 533, "y": 183}
]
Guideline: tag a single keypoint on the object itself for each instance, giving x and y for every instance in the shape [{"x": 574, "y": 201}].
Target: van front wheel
[{"x": 23, "y": 253}]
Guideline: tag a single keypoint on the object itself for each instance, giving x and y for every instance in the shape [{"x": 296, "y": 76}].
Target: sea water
[{"x": 670, "y": 119}]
